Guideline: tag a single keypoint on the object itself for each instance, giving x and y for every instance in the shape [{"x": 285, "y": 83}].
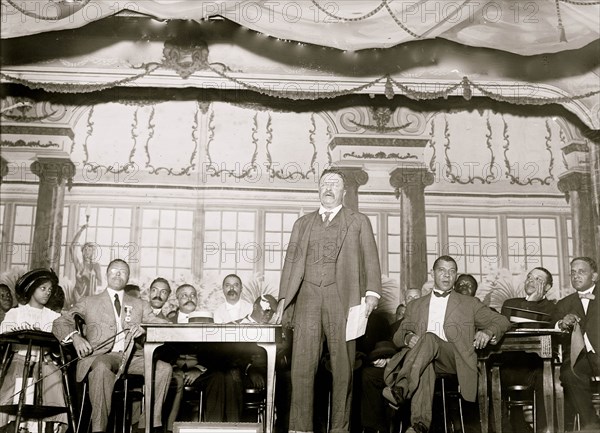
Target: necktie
[
  {"x": 589, "y": 296},
  {"x": 117, "y": 305},
  {"x": 326, "y": 216},
  {"x": 441, "y": 294}
]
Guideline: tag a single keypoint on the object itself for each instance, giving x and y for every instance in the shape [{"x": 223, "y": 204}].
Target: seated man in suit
[
  {"x": 111, "y": 313},
  {"x": 223, "y": 394},
  {"x": 520, "y": 368},
  {"x": 578, "y": 315},
  {"x": 234, "y": 307},
  {"x": 442, "y": 329}
]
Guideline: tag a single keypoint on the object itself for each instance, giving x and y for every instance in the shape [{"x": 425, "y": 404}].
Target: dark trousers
[
  {"x": 578, "y": 388},
  {"x": 430, "y": 355},
  {"x": 319, "y": 314},
  {"x": 101, "y": 380}
]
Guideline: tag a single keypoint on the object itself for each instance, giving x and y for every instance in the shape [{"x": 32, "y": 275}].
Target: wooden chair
[{"x": 128, "y": 388}]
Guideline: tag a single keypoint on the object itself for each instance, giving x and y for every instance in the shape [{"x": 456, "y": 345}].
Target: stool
[
  {"x": 35, "y": 410},
  {"x": 516, "y": 397},
  {"x": 444, "y": 380},
  {"x": 255, "y": 399}
]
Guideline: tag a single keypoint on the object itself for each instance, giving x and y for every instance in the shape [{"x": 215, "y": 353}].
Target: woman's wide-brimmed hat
[{"x": 32, "y": 279}]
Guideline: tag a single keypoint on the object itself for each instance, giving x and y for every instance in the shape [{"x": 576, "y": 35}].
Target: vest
[{"x": 322, "y": 253}]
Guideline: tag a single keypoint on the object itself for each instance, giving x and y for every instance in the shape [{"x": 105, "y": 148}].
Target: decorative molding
[
  {"x": 576, "y": 147},
  {"x": 38, "y": 130},
  {"x": 93, "y": 167},
  {"x": 432, "y": 146},
  {"x": 184, "y": 170},
  {"x": 489, "y": 178},
  {"x": 379, "y": 155},
  {"x": 211, "y": 169},
  {"x": 516, "y": 180},
  {"x": 358, "y": 140},
  {"x": 292, "y": 175},
  {"x": 22, "y": 143}
]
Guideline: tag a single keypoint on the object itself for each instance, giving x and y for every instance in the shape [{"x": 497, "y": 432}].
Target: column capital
[
  {"x": 403, "y": 177},
  {"x": 574, "y": 181},
  {"x": 54, "y": 170},
  {"x": 355, "y": 177}
]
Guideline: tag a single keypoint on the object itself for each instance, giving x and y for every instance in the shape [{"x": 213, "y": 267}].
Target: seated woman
[{"x": 33, "y": 291}]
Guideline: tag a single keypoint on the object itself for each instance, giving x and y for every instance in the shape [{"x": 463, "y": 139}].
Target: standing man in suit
[
  {"x": 442, "y": 330},
  {"x": 110, "y": 313},
  {"x": 331, "y": 262},
  {"x": 579, "y": 315}
]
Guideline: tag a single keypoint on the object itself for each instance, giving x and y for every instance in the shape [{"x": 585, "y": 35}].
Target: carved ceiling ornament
[{"x": 185, "y": 57}]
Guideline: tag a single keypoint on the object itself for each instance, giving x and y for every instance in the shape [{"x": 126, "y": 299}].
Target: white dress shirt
[
  {"x": 437, "y": 313},
  {"x": 585, "y": 303}
]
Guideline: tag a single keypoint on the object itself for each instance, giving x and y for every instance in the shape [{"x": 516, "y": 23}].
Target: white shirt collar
[
  {"x": 590, "y": 290},
  {"x": 157, "y": 311},
  {"x": 333, "y": 211},
  {"x": 113, "y": 292},
  {"x": 183, "y": 317}
]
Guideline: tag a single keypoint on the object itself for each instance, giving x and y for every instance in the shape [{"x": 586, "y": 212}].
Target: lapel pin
[{"x": 128, "y": 309}]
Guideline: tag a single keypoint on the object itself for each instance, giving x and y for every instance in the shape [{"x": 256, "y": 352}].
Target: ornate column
[
  {"x": 578, "y": 192},
  {"x": 3, "y": 169},
  {"x": 595, "y": 189},
  {"x": 410, "y": 183},
  {"x": 355, "y": 178},
  {"x": 54, "y": 174}
]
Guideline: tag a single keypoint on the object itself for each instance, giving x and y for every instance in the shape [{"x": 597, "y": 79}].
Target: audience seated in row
[{"x": 224, "y": 372}]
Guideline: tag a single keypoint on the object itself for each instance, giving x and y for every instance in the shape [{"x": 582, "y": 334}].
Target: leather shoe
[{"x": 417, "y": 428}]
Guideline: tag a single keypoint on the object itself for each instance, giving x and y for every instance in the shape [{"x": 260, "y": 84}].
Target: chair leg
[
  {"x": 444, "y": 405},
  {"x": 534, "y": 412},
  {"x": 460, "y": 411}
]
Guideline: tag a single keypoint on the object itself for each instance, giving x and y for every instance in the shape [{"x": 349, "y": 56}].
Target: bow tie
[
  {"x": 589, "y": 296},
  {"x": 441, "y": 294}
]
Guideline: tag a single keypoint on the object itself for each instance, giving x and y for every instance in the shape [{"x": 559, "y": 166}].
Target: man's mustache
[
  {"x": 157, "y": 298},
  {"x": 190, "y": 303},
  {"x": 232, "y": 292}
]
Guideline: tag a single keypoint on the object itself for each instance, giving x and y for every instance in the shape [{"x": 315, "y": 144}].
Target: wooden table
[
  {"x": 264, "y": 336},
  {"x": 537, "y": 341}
]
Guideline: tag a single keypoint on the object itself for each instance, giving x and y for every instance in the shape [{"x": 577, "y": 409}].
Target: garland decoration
[{"x": 466, "y": 84}]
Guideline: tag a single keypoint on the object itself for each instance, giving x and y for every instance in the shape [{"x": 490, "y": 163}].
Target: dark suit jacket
[
  {"x": 590, "y": 322},
  {"x": 98, "y": 313},
  {"x": 357, "y": 267},
  {"x": 464, "y": 316}
]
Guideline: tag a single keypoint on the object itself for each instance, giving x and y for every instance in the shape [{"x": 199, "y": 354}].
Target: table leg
[
  {"x": 271, "y": 350},
  {"x": 149, "y": 349},
  {"x": 483, "y": 396},
  {"x": 497, "y": 398},
  {"x": 560, "y": 400},
  {"x": 548, "y": 394}
]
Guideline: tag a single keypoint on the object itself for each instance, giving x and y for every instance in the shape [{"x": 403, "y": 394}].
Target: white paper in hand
[{"x": 356, "y": 324}]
